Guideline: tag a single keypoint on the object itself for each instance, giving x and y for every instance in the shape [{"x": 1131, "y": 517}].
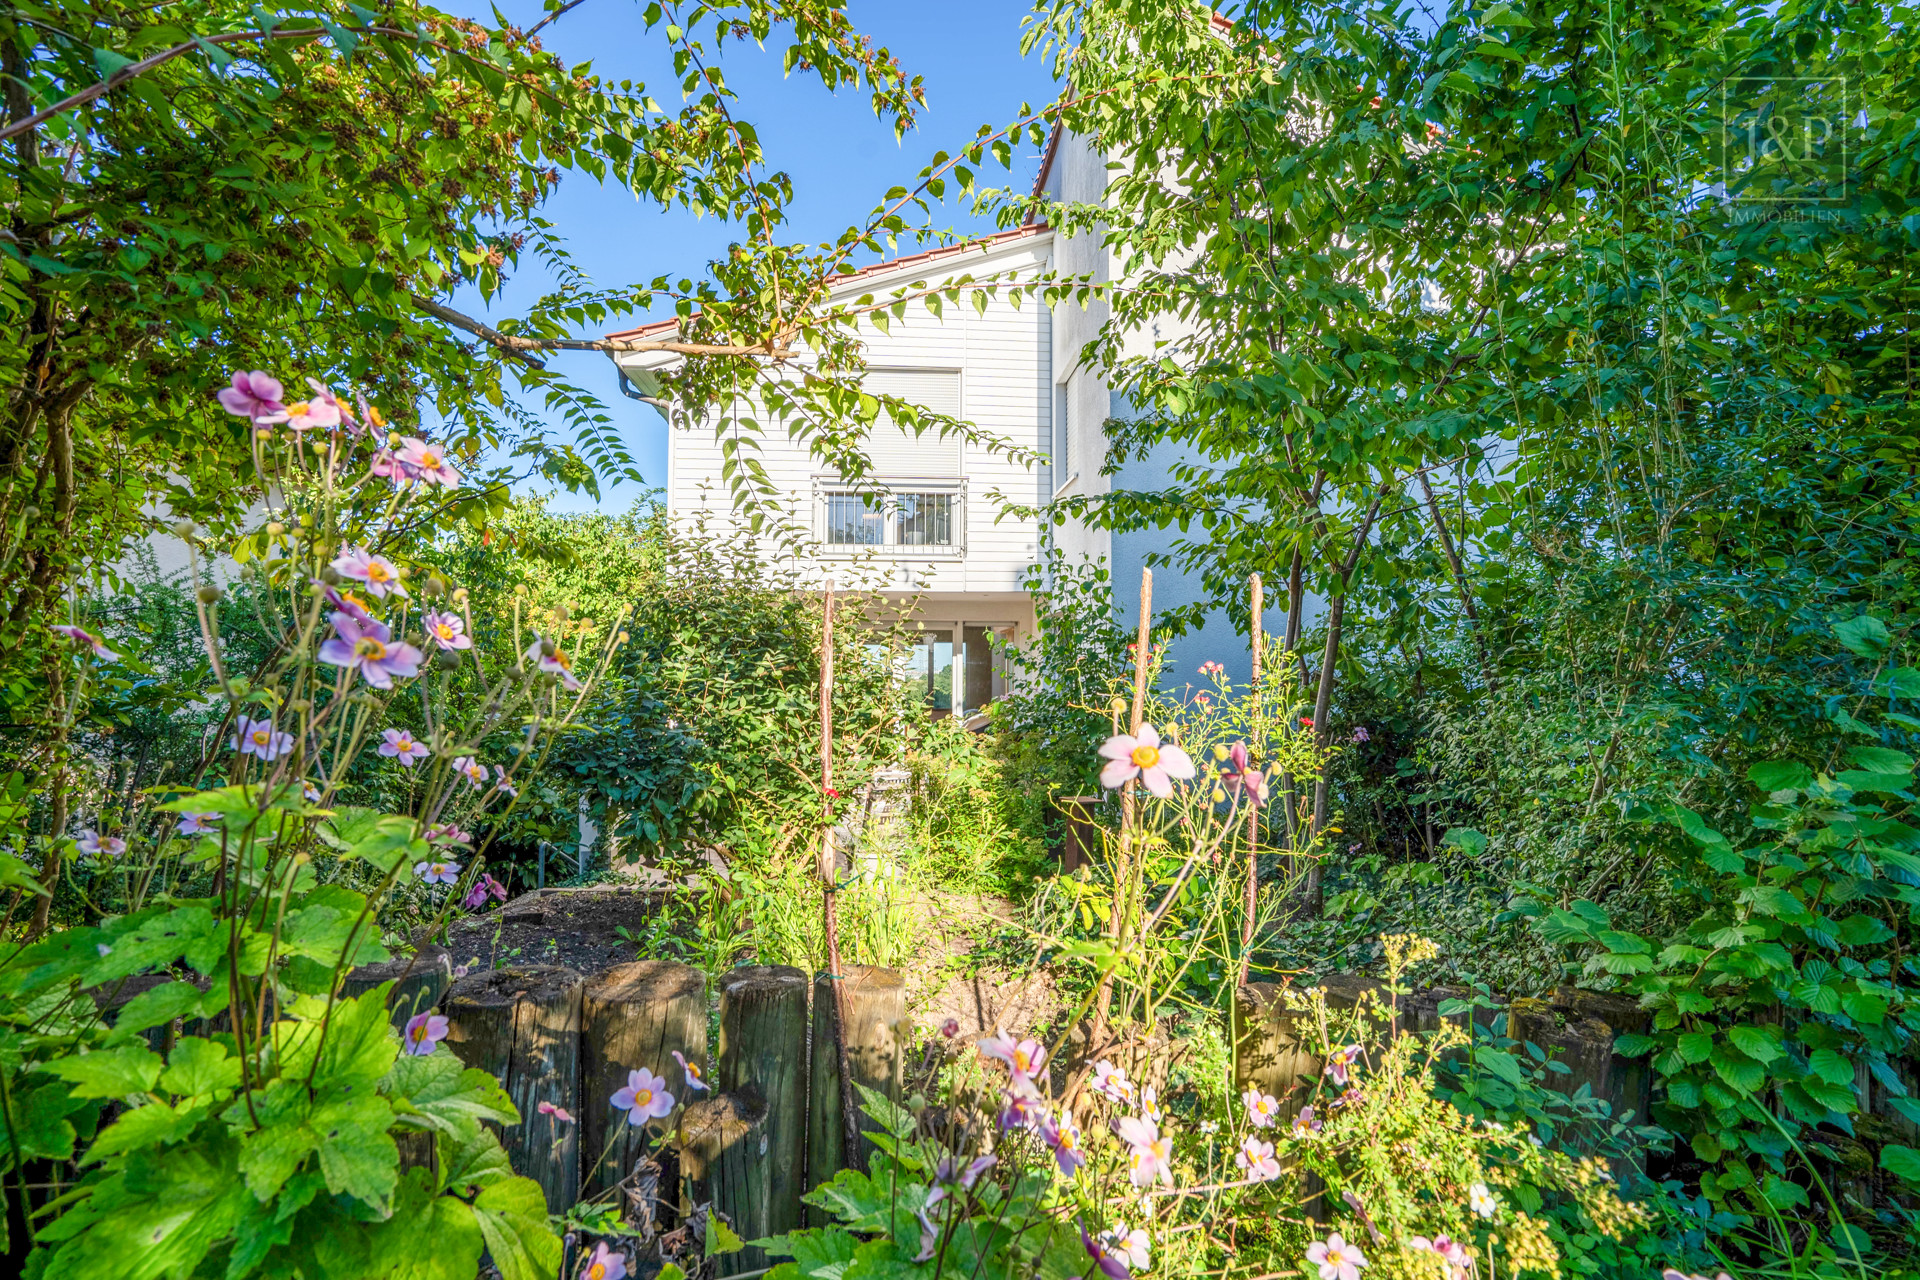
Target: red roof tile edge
[{"x": 913, "y": 259}]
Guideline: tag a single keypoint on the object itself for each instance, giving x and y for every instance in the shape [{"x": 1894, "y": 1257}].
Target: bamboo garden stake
[
  {"x": 1253, "y": 811},
  {"x": 829, "y": 876}
]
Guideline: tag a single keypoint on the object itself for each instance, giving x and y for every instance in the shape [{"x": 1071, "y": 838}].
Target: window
[
  {"x": 854, "y": 521},
  {"x": 1063, "y": 433},
  {"x": 926, "y": 519},
  {"x": 900, "y": 520}
]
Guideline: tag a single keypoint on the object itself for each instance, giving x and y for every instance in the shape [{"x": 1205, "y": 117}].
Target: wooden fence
[{"x": 766, "y": 1130}]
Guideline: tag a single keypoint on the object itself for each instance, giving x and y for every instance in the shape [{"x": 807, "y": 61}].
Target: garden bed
[{"x": 578, "y": 928}]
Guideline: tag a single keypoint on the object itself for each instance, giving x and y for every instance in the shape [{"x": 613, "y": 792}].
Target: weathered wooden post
[
  {"x": 763, "y": 1042},
  {"x": 635, "y": 1016},
  {"x": 718, "y": 1137},
  {"x": 523, "y": 1025},
  {"x": 876, "y": 1003},
  {"x": 419, "y": 980},
  {"x": 1270, "y": 1051}
]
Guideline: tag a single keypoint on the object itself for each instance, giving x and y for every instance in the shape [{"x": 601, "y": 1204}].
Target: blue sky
[{"x": 840, "y": 158}]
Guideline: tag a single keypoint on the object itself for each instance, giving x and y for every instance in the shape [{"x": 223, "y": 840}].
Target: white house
[{"x": 943, "y": 536}]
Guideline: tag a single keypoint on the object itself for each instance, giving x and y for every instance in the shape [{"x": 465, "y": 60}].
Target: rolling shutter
[{"x": 897, "y": 451}]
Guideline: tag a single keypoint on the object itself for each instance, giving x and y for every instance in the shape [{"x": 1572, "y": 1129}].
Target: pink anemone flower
[
  {"x": 1149, "y": 1155},
  {"x": 475, "y": 772},
  {"x": 644, "y": 1098},
  {"x": 1256, "y": 1157},
  {"x": 427, "y": 462},
  {"x": 368, "y": 647},
  {"x": 1130, "y": 1245},
  {"x": 555, "y": 663},
  {"x": 259, "y": 738},
  {"x": 1111, "y": 1082},
  {"x": 196, "y": 824},
  {"x": 1063, "y": 1138},
  {"x": 1452, "y": 1251},
  {"x": 321, "y": 410},
  {"x": 1022, "y": 1056},
  {"x": 1339, "y": 1061},
  {"x": 692, "y": 1072},
  {"x": 1106, "y": 1259},
  {"x": 1336, "y": 1259},
  {"x": 1262, "y": 1108},
  {"x": 437, "y": 872},
  {"x": 86, "y": 638},
  {"x": 502, "y": 783},
  {"x": 484, "y": 888},
  {"x": 424, "y": 1033},
  {"x": 448, "y": 631},
  {"x": 378, "y": 573},
  {"x": 403, "y": 746},
  {"x": 1240, "y": 775},
  {"x": 605, "y": 1264},
  {"x": 1145, "y": 758},
  {"x": 254, "y": 396},
  {"x": 560, "y": 1114},
  {"x": 99, "y": 845}
]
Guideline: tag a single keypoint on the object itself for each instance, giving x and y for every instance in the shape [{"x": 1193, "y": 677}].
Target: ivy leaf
[
  {"x": 109, "y": 1073},
  {"x": 513, "y": 1217}
]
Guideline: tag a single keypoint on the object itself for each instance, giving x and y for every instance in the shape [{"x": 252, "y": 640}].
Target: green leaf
[
  {"x": 1563, "y": 927},
  {"x": 1865, "y": 635},
  {"x": 1695, "y": 1046},
  {"x": 1738, "y": 1070},
  {"x": 721, "y": 1239},
  {"x": 1831, "y": 1066},
  {"x": 1780, "y": 775},
  {"x": 109, "y": 1073},
  {"x": 1902, "y": 1162},
  {"x": 108, "y": 62},
  {"x": 1881, "y": 760},
  {"x": 199, "y": 1067},
  {"x": 357, "y": 1155},
  {"x": 1500, "y": 1063},
  {"x": 1467, "y": 839},
  {"x": 156, "y": 1124},
  {"x": 439, "y": 1094},
  {"x": 513, "y": 1217},
  {"x": 1754, "y": 1042},
  {"x": 152, "y": 1008},
  {"x": 40, "y": 1127},
  {"x": 1864, "y": 1006}
]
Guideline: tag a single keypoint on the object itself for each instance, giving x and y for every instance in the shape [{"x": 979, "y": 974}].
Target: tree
[{"x": 1466, "y": 327}]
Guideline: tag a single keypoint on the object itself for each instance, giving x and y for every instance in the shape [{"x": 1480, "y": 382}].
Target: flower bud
[
  {"x": 1219, "y": 751},
  {"x": 435, "y": 585},
  {"x": 275, "y": 529},
  {"x": 330, "y": 576},
  {"x": 1118, "y": 705},
  {"x": 560, "y": 613},
  {"x": 446, "y": 659},
  {"x": 548, "y": 648},
  {"x": 624, "y": 637},
  {"x": 917, "y": 1103},
  {"x": 31, "y": 513},
  {"x": 459, "y": 595},
  {"x": 208, "y": 594},
  {"x": 181, "y": 528}
]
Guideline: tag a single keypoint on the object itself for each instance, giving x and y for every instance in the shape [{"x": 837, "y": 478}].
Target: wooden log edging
[
  {"x": 419, "y": 981},
  {"x": 635, "y": 1016},
  {"x": 876, "y": 1002},
  {"x": 523, "y": 1026},
  {"x": 763, "y": 1059}
]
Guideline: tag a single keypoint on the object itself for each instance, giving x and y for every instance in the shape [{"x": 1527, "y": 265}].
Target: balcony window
[
  {"x": 921, "y": 518},
  {"x": 925, "y": 519},
  {"x": 854, "y": 521}
]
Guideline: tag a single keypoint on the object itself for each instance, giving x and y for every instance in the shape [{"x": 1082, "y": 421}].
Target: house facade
[{"x": 940, "y": 542}]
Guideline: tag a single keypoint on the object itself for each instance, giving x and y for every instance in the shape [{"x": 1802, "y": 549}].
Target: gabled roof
[{"x": 982, "y": 243}]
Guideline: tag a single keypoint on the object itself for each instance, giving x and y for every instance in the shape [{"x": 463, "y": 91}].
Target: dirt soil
[
  {"x": 573, "y": 927},
  {"x": 942, "y": 983}
]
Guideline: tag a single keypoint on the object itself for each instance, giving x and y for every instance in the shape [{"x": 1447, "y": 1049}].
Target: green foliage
[{"x": 1790, "y": 976}]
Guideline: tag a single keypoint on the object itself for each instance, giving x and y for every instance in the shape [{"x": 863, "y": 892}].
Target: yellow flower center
[
  {"x": 373, "y": 416},
  {"x": 368, "y": 647},
  {"x": 260, "y": 737},
  {"x": 443, "y": 630},
  {"x": 597, "y": 1271},
  {"x": 420, "y": 1032},
  {"x": 298, "y": 409},
  {"x": 643, "y": 1097},
  {"x": 1146, "y": 757},
  {"x": 376, "y": 572},
  {"x": 429, "y": 459}
]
